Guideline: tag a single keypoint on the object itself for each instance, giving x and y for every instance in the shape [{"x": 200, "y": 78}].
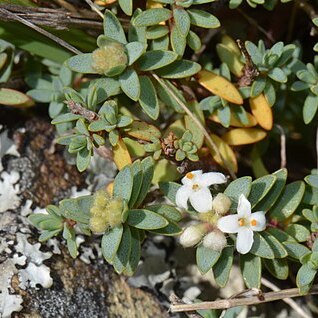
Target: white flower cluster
[{"x": 195, "y": 189}]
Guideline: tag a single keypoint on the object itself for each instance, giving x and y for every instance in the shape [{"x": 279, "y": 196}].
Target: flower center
[
  {"x": 253, "y": 222},
  {"x": 241, "y": 222},
  {"x": 195, "y": 187},
  {"x": 190, "y": 175}
]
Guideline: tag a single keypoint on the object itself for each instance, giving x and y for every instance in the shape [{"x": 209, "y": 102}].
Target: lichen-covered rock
[{"x": 43, "y": 280}]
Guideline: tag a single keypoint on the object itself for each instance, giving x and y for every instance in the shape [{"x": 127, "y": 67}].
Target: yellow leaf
[
  {"x": 11, "y": 97},
  {"x": 104, "y": 2},
  {"x": 110, "y": 188},
  {"x": 142, "y": 130},
  {"x": 226, "y": 152},
  {"x": 3, "y": 59},
  {"x": 121, "y": 155},
  {"x": 262, "y": 111},
  {"x": 235, "y": 122},
  {"x": 219, "y": 86},
  {"x": 151, "y": 4},
  {"x": 229, "y": 43},
  {"x": 165, "y": 171},
  {"x": 244, "y": 136},
  {"x": 231, "y": 60}
]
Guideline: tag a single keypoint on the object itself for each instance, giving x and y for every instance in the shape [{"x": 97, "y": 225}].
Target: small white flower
[
  {"x": 196, "y": 189},
  {"x": 243, "y": 223}
]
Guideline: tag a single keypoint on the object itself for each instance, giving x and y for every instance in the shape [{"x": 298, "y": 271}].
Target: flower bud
[
  {"x": 110, "y": 60},
  {"x": 192, "y": 235},
  {"x": 215, "y": 240},
  {"x": 221, "y": 204},
  {"x": 105, "y": 212}
]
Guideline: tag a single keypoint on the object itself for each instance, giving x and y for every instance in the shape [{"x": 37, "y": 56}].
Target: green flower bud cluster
[
  {"x": 110, "y": 58},
  {"x": 110, "y": 120},
  {"x": 106, "y": 212},
  {"x": 82, "y": 144},
  {"x": 186, "y": 148},
  {"x": 173, "y": 147}
]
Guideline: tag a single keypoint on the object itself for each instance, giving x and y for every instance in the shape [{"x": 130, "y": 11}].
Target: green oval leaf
[
  {"x": 113, "y": 28},
  {"x": 147, "y": 165},
  {"x": 146, "y": 219},
  {"x": 260, "y": 187},
  {"x": 124, "y": 250},
  {"x": 288, "y": 202},
  {"x": 206, "y": 258},
  {"x": 261, "y": 247},
  {"x": 277, "y": 267},
  {"x": 312, "y": 180},
  {"x": 155, "y": 59},
  {"x": 148, "y": 97},
  {"x": 298, "y": 232},
  {"x": 129, "y": 83},
  {"x": 167, "y": 211},
  {"x": 182, "y": 21},
  {"x": 277, "y": 248},
  {"x": 238, "y": 187},
  {"x": 135, "y": 253},
  {"x": 152, "y": 17},
  {"x": 123, "y": 184},
  {"x": 203, "y": 19},
  {"x": 275, "y": 191},
  {"x": 137, "y": 173},
  {"x": 170, "y": 189},
  {"x": 11, "y": 97},
  {"x": 81, "y": 63},
  {"x": 222, "y": 268},
  {"x": 310, "y": 108},
  {"x": 110, "y": 243},
  {"x": 179, "y": 69},
  {"x": 251, "y": 268}
]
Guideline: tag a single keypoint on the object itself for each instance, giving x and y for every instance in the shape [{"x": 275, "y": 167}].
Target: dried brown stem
[
  {"x": 54, "y": 18},
  {"x": 174, "y": 299},
  {"x": 288, "y": 301},
  {"x": 283, "y": 159},
  {"x": 250, "y": 71},
  {"x": 308, "y": 8},
  {"x": 234, "y": 302},
  {"x": 78, "y": 109},
  {"x": 49, "y": 35}
]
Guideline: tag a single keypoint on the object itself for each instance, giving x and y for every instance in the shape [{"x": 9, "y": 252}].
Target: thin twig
[
  {"x": 40, "y": 30},
  {"x": 174, "y": 299},
  {"x": 94, "y": 8},
  {"x": 288, "y": 301},
  {"x": 234, "y": 302},
  {"x": 308, "y": 8},
  {"x": 197, "y": 122},
  {"x": 283, "y": 160}
]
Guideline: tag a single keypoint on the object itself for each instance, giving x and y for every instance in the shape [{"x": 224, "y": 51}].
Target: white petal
[
  {"x": 182, "y": 197},
  {"x": 259, "y": 219},
  {"x": 191, "y": 177},
  {"x": 244, "y": 240},
  {"x": 229, "y": 223},
  {"x": 212, "y": 178},
  {"x": 243, "y": 207},
  {"x": 201, "y": 200}
]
